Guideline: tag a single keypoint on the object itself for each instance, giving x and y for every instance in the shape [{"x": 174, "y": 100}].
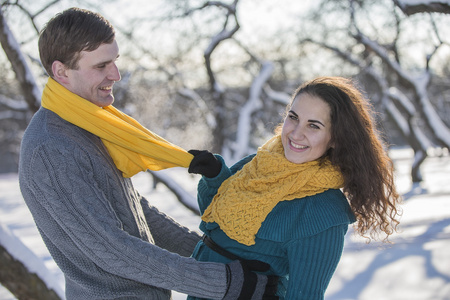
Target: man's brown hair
[{"x": 70, "y": 32}]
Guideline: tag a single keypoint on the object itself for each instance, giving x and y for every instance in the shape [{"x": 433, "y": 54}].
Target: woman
[{"x": 290, "y": 204}]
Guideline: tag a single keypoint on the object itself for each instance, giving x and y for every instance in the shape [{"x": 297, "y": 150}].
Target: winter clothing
[
  {"x": 108, "y": 240},
  {"x": 132, "y": 147},
  {"x": 254, "y": 286},
  {"x": 205, "y": 163},
  {"x": 266, "y": 180},
  {"x": 302, "y": 239}
]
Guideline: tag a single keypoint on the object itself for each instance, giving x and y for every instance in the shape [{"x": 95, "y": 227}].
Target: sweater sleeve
[
  {"x": 312, "y": 262},
  {"x": 87, "y": 231},
  {"x": 168, "y": 233}
]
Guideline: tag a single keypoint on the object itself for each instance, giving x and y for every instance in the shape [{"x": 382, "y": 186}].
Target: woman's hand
[{"x": 204, "y": 163}]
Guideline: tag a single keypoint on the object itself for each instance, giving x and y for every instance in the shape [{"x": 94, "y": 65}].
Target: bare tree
[
  {"x": 233, "y": 123},
  {"x": 404, "y": 95}
]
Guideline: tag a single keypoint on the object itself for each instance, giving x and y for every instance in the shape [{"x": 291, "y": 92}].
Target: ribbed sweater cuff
[{"x": 211, "y": 282}]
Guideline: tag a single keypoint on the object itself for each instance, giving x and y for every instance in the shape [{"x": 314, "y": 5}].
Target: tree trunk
[
  {"x": 20, "y": 282},
  {"x": 25, "y": 77}
]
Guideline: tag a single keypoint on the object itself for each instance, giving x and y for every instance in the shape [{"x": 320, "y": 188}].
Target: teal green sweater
[{"x": 301, "y": 239}]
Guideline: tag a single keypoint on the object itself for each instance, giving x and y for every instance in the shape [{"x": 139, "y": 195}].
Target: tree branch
[
  {"x": 414, "y": 7},
  {"x": 184, "y": 197}
]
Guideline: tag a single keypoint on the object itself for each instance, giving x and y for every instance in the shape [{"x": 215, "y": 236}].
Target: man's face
[{"x": 96, "y": 74}]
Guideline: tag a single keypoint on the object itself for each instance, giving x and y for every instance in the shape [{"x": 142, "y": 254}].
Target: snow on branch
[
  {"x": 410, "y": 7},
  {"x": 16, "y": 105},
  {"x": 191, "y": 94},
  {"x": 395, "y": 93},
  {"x": 9, "y": 114},
  {"x": 439, "y": 128},
  {"x": 409, "y": 129},
  {"x": 396, "y": 115},
  {"x": 216, "y": 40},
  {"x": 14, "y": 245},
  {"x": 384, "y": 55},
  {"x": 253, "y": 104},
  {"x": 277, "y": 96},
  {"x": 419, "y": 84},
  {"x": 182, "y": 195},
  {"x": 26, "y": 79}
]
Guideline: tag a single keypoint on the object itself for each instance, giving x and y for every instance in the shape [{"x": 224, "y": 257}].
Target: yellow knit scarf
[
  {"x": 244, "y": 200},
  {"x": 132, "y": 147}
]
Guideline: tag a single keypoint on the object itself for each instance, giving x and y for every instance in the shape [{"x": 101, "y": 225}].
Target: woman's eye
[{"x": 293, "y": 117}]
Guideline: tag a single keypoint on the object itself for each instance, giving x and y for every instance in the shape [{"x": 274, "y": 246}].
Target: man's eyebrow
[{"x": 107, "y": 61}]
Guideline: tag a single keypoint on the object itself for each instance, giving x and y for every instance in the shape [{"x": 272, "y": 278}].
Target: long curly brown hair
[{"x": 360, "y": 154}]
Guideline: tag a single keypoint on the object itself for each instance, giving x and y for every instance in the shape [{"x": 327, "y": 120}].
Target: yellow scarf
[
  {"x": 132, "y": 147},
  {"x": 244, "y": 200}
]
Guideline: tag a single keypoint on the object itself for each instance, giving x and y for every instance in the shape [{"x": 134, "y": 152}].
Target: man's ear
[{"x": 60, "y": 72}]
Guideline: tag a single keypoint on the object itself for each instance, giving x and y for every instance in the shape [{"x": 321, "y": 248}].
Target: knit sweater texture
[
  {"x": 301, "y": 239},
  {"x": 107, "y": 239}
]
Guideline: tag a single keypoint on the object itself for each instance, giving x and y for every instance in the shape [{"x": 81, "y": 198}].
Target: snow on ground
[{"x": 415, "y": 267}]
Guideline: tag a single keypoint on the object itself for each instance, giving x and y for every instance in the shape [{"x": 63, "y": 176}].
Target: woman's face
[{"x": 306, "y": 132}]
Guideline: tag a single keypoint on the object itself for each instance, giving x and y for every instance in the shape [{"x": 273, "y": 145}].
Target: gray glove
[{"x": 244, "y": 284}]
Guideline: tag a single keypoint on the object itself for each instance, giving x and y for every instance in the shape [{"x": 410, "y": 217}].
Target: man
[{"x": 77, "y": 155}]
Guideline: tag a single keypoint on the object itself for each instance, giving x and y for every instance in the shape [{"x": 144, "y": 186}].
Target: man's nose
[{"x": 114, "y": 73}]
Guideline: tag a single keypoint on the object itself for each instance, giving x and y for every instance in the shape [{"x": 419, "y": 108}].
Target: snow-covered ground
[{"x": 415, "y": 267}]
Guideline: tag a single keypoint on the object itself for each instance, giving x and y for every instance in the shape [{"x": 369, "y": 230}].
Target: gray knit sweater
[{"x": 108, "y": 240}]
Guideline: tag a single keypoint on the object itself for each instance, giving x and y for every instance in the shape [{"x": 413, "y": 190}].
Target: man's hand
[{"x": 244, "y": 284}]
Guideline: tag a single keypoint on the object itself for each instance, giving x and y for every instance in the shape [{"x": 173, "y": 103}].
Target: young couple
[{"x": 274, "y": 223}]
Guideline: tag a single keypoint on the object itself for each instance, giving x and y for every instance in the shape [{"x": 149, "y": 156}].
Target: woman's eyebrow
[
  {"x": 311, "y": 121},
  {"x": 316, "y": 121}
]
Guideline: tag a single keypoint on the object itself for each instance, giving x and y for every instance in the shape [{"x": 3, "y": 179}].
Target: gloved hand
[
  {"x": 204, "y": 163},
  {"x": 244, "y": 284}
]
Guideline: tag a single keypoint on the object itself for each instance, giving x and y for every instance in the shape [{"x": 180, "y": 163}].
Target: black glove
[
  {"x": 204, "y": 163},
  {"x": 243, "y": 284}
]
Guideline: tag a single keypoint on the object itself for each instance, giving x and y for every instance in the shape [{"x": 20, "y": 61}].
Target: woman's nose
[{"x": 298, "y": 132}]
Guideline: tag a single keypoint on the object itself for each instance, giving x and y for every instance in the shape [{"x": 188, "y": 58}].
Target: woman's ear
[
  {"x": 60, "y": 72},
  {"x": 331, "y": 145}
]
